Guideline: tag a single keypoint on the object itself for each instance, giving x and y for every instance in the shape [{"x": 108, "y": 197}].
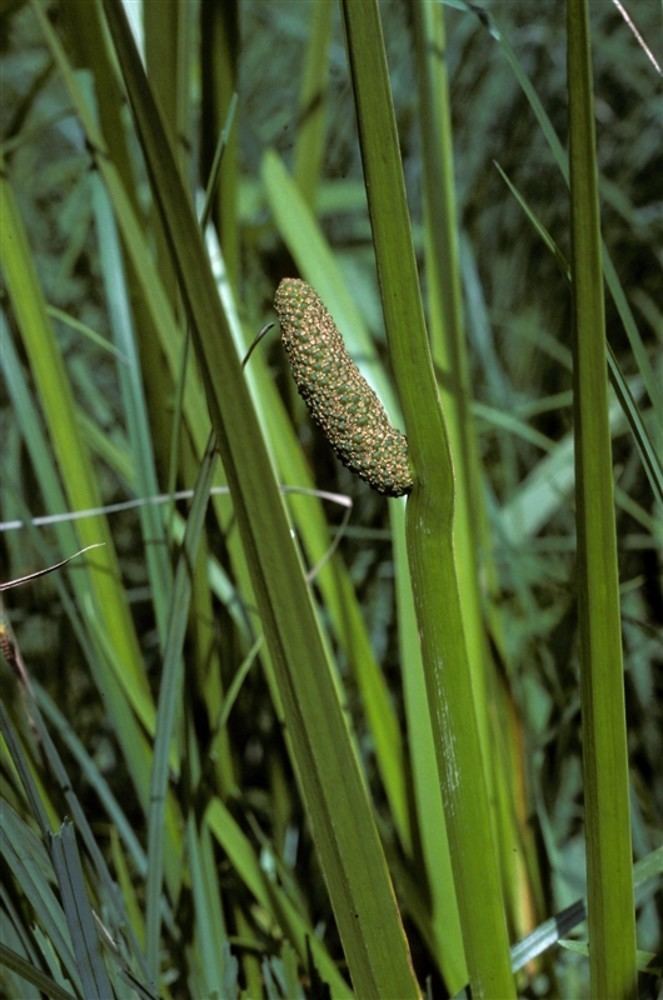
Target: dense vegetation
[{"x": 227, "y": 701}]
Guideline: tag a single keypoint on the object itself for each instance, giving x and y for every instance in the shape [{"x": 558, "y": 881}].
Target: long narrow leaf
[
  {"x": 56, "y": 397},
  {"x": 170, "y": 695},
  {"x": 69, "y": 872},
  {"x": 276, "y": 903},
  {"x": 429, "y": 526},
  {"x": 11, "y": 960},
  {"x": 605, "y": 756},
  {"x": 346, "y": 837}
]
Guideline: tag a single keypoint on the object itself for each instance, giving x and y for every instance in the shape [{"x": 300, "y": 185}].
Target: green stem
[
  {"x": 430, "y": 514},
  {"x": 322, "y": 751},
  {"x": 605, "y": 756}
]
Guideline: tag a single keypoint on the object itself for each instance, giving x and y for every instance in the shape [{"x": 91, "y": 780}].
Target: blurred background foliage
[{"x": 518, "y": 323}]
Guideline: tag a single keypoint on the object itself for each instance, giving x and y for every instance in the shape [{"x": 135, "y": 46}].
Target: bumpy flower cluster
[{"x": 338, "y": 396}]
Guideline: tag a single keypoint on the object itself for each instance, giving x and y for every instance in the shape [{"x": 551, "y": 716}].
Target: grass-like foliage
[{"x": 267, "y": 732}]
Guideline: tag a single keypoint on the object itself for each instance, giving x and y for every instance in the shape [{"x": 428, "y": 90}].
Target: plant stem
[
  {"x": 430, "y": 513},
  {"x": 605, "y": 756}
]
